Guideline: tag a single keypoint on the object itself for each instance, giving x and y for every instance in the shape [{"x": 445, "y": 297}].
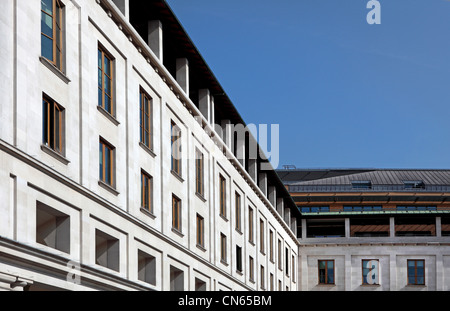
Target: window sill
[
  {"x": 55, "y": 70},
  {"x": 239, "y": 272},
  {"x": 178, "y": 232},
  {"x": 147, "y": 149},
  {"x": 108, "y": 187},
  {"x": 371, "y": 285},
  {"x": 239, "y": 231},
  {"x": 251, "y": 243},
  {"x": 147, "y": 212},
  {"x": 201, "y": 197},
  {"x": 223, "y": 262},
  {"x": 327, "y": 285},
  {"x": 55, "y": 154},
  {"x": 200, "y": 247},
  {"x": 108, "y": 115},
  {"x": 224, "y": 218},
  {"x": 177, "y": 175}
]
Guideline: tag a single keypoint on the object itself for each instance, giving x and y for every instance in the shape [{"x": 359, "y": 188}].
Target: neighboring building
[
  {"x": 372, "y": 229},
  {"x": 113, "y": 172}
]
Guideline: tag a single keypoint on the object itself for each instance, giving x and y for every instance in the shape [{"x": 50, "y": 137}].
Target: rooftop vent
[{"x": 415, "y": 184}]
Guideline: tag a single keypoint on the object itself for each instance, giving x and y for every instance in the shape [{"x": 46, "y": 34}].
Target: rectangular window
[
  {"x": 293, "y": 268},
  {"x": 223, "y": 199},
  {"x": 370, "y": 272},
  {"x": 53, "y": 124},
  {"x": 146, "y": 268},
  {"x": 105, "y": 81},
  {"x": 145, "y": 119},
  {"x": 280, "y": 256},
  {"x": 146, "y": 191},
  {"x": 251, "y": 267},
  {"x": 199, "y": 173},
  {"x": 262, "y": 276},
  {"x": 107, "y": 251},
  {"x": 286, "y": 261},
  {"x": 176, "y": 149},
  {"x": 238, "y": 258},
  {"x": 416, "y": 272},
  {"x": 237, "y": 206},
  {"x": 51, "y": 31},
  {"x": 261, "y": 236},
  {"x": 361, "y": 184},
  {"x": 250, "y": 225},
  {"x": 176, "y": 213},
  {"x": 52, "y": 228},
  {"x": 326, "y": 271},
  {"x": 271, "y": 245},
  {"x": 106, "y": 162},
  {"x": 271, "y": 283},
  {"x": 223, "y": 248},
  {"x": 200, "y": 231}
]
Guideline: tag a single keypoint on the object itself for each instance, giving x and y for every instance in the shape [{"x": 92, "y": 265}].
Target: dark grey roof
[{"x": 381, "y": 180}]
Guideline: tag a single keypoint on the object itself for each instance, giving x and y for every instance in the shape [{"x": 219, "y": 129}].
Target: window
[
  {"x": 200, "y": 231},
  {"x": 415, "y": 184},
  {"x": 106, "y": 162},
  {"x": 237, "y": 206},
  {"x": 251, "y": 267},
  {"x": 145, "y": 119},
  {"x": 146, "y": 268},
  {"x": 416, "y": 208},
  {"x": 176, "y": 279},
  {"x": 52, "y": 228},
  {"x": 200, "y": 286},
  {"x": 250, "y": 225},
  {"x": 363, "y": 208},
  {"x": 53, "y": 125},
  {"x": 223, "y": 199},
  {"x": 361, "y": 184},
  {"x": 238, "y": 258},
  {"x": 271, "y": 245},
  {"x": 271, "y": 283},
  {"x": 280, "y": 256},
  {"x": 416, "y": 272},
  {"x": 370, "y": 272},
  {"x": 286, "y": 261},
  {"x": 176, "y": 213},
  {"x": 293, "y": 268},
  {"x": 223, "y": 248},
  {"x": 199, "y": 173},
  {"x": 262, "y": 277},
  {"x": 326, "y": 271},
  {"x": 146, "y": 192},
  {"x": 261, "y": 236},
  {"x": 105, "y": 81},
  {"x": 106, "y": 250},
  {"x": 315, "y": 209},
  {"x": 51, "y": 31},
  {"x": 176, "y": 149}
]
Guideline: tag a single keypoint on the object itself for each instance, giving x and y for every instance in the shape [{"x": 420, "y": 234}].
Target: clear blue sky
[{"x": 346, "y": 94}]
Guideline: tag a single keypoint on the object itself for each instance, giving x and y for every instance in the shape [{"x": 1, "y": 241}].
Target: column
[
  {"x": 272, "y": 195},
  {"x": 347, "y": 227},
  {"x": 393, "y": 272},
  {"x": 262, "y": 182},
  {"x": 304, "y": 236},
  {"x": 182, "y": 74},
  {"x": 392, "y": 227},
  {"x": 155, "y": 38},
  {"x": 204, "y": 103},
  {"x": 253, "y": 168},
  {"x": 294, "y": 225},
  {"x": 438, "y": 227},
  {"x": 280, "y": 207},
  {"x": 226, "y": 133},
  {"x": 348, "y": 272}
]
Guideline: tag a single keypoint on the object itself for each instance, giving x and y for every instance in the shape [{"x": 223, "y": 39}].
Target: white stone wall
[
  {"x": 392, "y": 258},
  {"x": 28, "y": 174}
]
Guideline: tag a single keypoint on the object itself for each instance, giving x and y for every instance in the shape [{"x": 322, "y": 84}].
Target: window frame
[
  {"x": 223, "y": 196},
  {"x": 199, "y": 173},
  {"x": 237, "y": 210},
  {"x": 250, "y": 225},
  {"x": 51, "y": 110},
  {"x": 145, "y": 135},
  {"x": 223, "y": 248},
  {"x": 326, "y": 261},
  {"x": 176, "y": 213},
  {"x": 105, "y": 54},
  {"x": 262, "y": 241},
  {"x": 200, "y": 221},
  {"x": 147, "y": 205},
  {"x": 415, "y": 272},
  {"x": 377, "y": 282},
  {"x": 57, "y": 31},
  {"x": 175, "y": 148},
  {"x": 102, "y": 176}
]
